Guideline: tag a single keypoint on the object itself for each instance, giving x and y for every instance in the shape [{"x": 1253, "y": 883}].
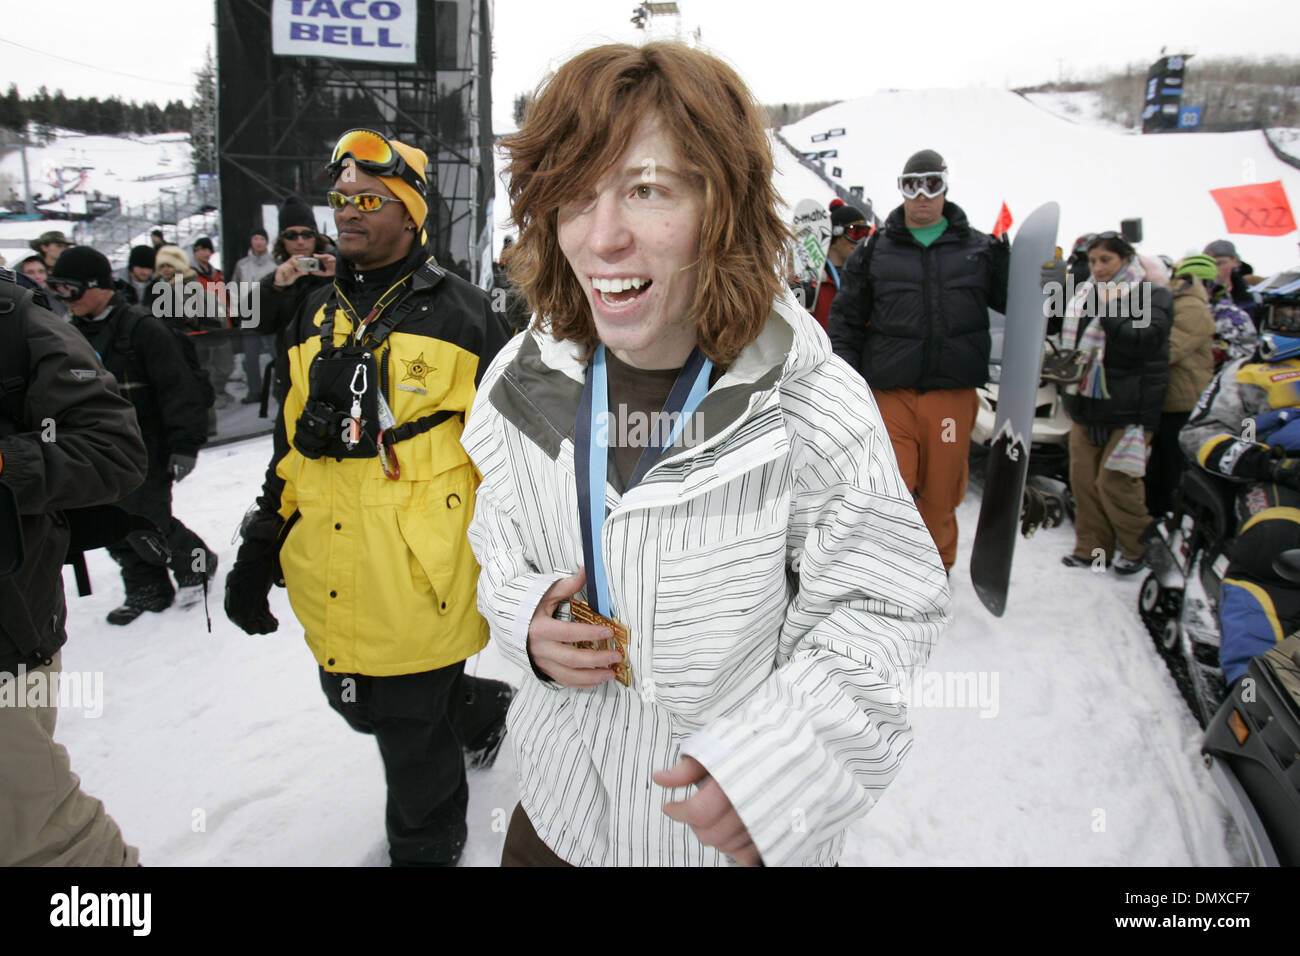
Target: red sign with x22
[{"x": 1258, "y": 209}]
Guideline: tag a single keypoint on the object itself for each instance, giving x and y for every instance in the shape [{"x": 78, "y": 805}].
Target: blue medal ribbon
[
  {"x": 591, "y": 455},
  {"x": 835, "y": 275}
]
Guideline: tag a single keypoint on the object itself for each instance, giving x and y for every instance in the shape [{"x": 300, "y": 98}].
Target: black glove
[
  {"x": 180, "y": 466},
  {"x": 1253, "y": 461},
  {"x": 1286, "y": 473},
  {"x": 249, "y": 581}
]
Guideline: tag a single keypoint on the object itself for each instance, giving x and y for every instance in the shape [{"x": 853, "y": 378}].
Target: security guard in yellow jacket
[{"x": 369, "y": 495}]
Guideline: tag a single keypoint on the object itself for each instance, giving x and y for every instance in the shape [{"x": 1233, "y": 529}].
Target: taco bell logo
[{"x": 345, "y": 29}]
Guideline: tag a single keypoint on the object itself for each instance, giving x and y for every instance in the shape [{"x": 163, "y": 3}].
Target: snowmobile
[
  {"x": 1252, "y": 738},
  {"x": 1187, "y": 552},
  {"x": 1252, "y": 750}
]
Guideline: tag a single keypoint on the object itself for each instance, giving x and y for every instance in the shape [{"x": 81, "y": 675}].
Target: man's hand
[
  {"x": 290, "y": 271},
  {"x": 550, "y": 641},
  {"x": 708, "y": 812}
]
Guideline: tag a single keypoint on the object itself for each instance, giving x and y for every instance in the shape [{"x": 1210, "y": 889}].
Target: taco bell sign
[{"x": 381, "y": 30}]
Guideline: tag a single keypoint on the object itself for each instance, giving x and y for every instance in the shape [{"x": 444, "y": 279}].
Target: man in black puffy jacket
[
  {"x": 68, "y": 440},
  {"x": 912, "y": 317},
  {"x": 146, "y": 358}
]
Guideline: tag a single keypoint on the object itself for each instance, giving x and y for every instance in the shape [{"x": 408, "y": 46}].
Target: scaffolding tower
[{"x": 278, "y": 118}]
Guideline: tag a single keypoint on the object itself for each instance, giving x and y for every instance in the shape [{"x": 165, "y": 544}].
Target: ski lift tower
[{"x": 658, "y": 21}]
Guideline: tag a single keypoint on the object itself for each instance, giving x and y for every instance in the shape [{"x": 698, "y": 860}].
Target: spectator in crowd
[
  {"x": 140, "y": 276},
  {"x": 50, "y": 245},
  {"x": 259, "y": 261},
  {"x": 46, "y": 819},
  {"x": 368, "y": 472},
  {"x": 1120, "y": 321},
  {"x": 1246, "y": 429},
  {"x": 216, "y": 348},
  {"x": 176, "y": 285},
  {"x": 763, "y": 578},
  {"x": 33, "y": 267},
  {"x": 911, "y": 317},
  {"x": 305, "y": 262},
  {"x": 156, "y": 238},
  {"x": 505, "y": 297},
  {"x": 1191, "y": 366},
  {"x": 1235, "y": 335},
  {"x": 151, "y": 369},
  {"x": 254, "y": 267},
  {"x": 848, "y": 227},
  {"x": 1235, "y": 276}
]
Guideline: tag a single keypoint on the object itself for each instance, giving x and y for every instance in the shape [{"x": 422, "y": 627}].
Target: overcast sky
[{"x": 787, "y": 52}]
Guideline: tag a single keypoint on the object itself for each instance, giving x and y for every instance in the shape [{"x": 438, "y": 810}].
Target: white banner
[{"x": 382, "y": 30}]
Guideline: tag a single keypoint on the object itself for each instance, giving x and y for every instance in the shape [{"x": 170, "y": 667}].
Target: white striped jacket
[{"x": 777, "y": 580}]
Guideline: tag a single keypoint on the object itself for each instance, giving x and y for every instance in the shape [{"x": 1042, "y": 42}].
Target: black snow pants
[
  {"x": 189, "y": 554},
  {"x": 422, "y": 723}
]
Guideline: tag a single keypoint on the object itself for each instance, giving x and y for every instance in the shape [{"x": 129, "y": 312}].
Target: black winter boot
[
  {"x": 479, "y": 712},
  {"x": 149, "y": 597}
]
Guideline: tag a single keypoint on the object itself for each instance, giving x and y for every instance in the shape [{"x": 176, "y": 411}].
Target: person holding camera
[{"x": 369, "y": 494}]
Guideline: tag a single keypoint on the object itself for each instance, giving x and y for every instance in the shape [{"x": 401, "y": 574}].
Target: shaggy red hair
[{"x": 578, "y": 126}]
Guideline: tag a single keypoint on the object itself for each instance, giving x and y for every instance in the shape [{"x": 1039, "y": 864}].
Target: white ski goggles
[{"x": 929, "y": 185}]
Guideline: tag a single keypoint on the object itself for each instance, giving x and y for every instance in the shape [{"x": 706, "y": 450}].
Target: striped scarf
[{"x": 1092, "y": 343}]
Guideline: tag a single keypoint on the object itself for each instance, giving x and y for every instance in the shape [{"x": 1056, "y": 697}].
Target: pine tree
[{"x": 203, "y": 117}]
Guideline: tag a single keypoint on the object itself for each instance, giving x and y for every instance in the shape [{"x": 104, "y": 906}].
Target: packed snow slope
[
  {"x": 1002, "y": 147},
  {"x": 1053, "y": 735}
]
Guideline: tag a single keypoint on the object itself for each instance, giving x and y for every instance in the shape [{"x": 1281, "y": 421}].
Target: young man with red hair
[{"x": 672, "y": 455}]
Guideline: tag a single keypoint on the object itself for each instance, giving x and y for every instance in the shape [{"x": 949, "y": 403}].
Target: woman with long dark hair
[{"x": 1120, "y": 320}]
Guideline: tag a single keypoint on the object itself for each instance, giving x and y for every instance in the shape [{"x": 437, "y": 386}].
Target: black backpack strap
[
  {"x": 418, "y": 427},
  {"x": 126, "y": 321}
]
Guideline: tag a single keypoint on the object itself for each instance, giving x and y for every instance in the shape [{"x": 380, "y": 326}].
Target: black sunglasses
[{"x": 299, "y": 234}]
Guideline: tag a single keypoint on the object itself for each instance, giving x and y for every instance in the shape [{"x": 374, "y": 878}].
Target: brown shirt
[{"x": 639, "y": 392}]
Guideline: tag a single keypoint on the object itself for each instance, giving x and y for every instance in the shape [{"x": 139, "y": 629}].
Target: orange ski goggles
[{"x": 372, "y": 153}]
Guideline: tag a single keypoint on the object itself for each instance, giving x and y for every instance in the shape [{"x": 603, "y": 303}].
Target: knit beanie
[
  {"x": 295, "y": 213},
  {"x": 1199, "y": 266},
  {"x": 142, "y": 256},
  {"x": 84, "y": 264},
  {"x": 414, "y": 200},
  {"x": 925, "y": 161},
  {"x": 173, "y": 256},
  {"x": 842, "y": 214}
]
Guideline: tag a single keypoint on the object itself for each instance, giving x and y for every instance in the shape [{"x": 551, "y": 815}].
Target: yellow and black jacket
[{"x": 373, "y": 550}]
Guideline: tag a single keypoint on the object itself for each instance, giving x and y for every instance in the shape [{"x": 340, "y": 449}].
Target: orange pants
[{"x": 930, "y": 432}]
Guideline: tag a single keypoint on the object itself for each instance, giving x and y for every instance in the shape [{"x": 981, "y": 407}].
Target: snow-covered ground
[
  {"x": 1002, "y": 147},
  {"x": 1082, "y": 107},
  {"x": 1073, "y": 747}
]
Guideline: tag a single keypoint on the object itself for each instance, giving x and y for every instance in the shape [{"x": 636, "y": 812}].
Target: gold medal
[{"x": 583, "y": 614}]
